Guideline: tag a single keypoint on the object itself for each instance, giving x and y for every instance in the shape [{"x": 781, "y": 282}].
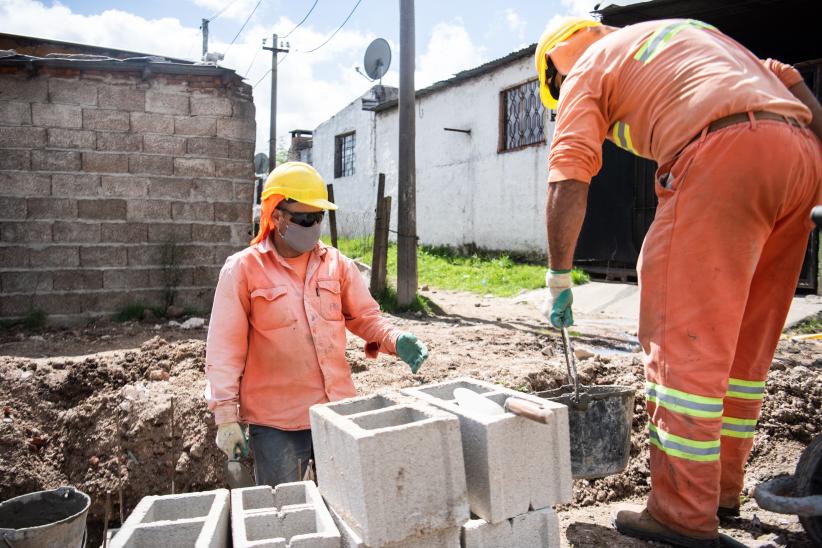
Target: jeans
[{"x": 280, "y": 456}]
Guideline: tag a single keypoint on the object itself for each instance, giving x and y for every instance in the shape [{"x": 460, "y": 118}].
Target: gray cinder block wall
[{"x": 118, "y": 186}]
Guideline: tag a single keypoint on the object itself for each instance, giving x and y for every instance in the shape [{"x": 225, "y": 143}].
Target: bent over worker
[
  {"x": 277, "y": 336},
  {"x": 739, "y": 171}
]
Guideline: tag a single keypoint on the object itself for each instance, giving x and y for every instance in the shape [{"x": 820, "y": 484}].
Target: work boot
[
  {"x": 642, "y": 526},
  {"x": 727, "y": 512}
]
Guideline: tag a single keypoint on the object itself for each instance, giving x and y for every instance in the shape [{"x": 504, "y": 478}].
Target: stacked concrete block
[
  {"x": 535, "y": 528},
  {"x": 441, "y": 538},
  {"x": 198, "y": 520},
  {"x": 292, "y": 515},
  {"x": 130, "y": 184},
  {"x": 390, "y": 467},
  {"x": 512, "y": 464}
]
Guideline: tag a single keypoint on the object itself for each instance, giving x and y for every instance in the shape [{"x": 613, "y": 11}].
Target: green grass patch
[
  {"x": 481, "y": 272},
  {"x": 808, "y": 326}
]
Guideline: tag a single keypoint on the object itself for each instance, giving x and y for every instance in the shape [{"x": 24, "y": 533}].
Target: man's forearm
[
  {"x": 564, "y": 213},
  {"x": 804, "y": 94}
]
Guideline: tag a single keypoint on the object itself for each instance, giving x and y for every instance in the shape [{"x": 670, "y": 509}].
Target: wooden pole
[
  {"x": 407, "y": 206},
  {"x": 379, "y": 257},
  {"x": 332, "y": 217}
]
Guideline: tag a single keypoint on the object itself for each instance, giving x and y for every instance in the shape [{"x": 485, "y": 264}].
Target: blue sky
[{"x": 450, "y": 36}]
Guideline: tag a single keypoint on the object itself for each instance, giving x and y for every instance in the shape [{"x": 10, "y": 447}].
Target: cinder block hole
[
  {"x": 182, "y": 507},
  {"x": 361, "y": 406},
  {"x": 498, "y": 397},
  {"x": 446, "y": 391},
  {"x": 171, "y": 534},
  {"x": 287, "y": 525},
  {"x": 391, "y": 417},
  {"x": 258, "y": 497},
  {"x": 288, "y": 494}
]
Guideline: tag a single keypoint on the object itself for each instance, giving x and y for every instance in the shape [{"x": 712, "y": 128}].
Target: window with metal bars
[
  {"x": 344, "y": 155},
  {"x": 522, "y": 117}
]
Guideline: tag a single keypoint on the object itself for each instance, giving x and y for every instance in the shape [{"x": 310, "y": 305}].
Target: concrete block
[
  {"x": 192, "y": 519},
  {"x": 104, "y": 208},
  {"x": 103, "y": 255},
  {"x": 26, "y": 281},
  {"x": 214, "y": 147},
  {"x": 73, "y": 280},
  {"x": 75, "y": 185},
  {"x": 232, "y": 128},
  {"x": 24, "y": 184},
  {"x": 22, "y": 88},
  {"x": 194, "y": 167},
  {"x": 192, "y": 211},
  {"x": 121, "y": 98},
  {"x": 142, "y": 122},
  {"x": 107, "y": 120},
  {"x": 171, "y": 145},
  {"x": 22, "y": 137},
  {"x": 237, "y": 169},
  {"x": 29, "y": 232},
  {"x": 15, "y": 159},
  {"x": 441, "y": 538},
  {"x": 390, "y": 466},
  {"x": 211, "y": 233},
  {"x": 177, "y": 188},
  {"x": 125, "y": 186},
  {"x": 292, "y": 515},
  {"x": 126, "y": 279},
  {"x": 169, "y": 232},
  {"x": 243, "y": 110},
  {"x": 244, "y": 192},
  {"x": 51, "y": 208},
  {"x": 54, "y": 256},
  {"x": 535, "y": 528},
  {"x": 512, "y": 464},
  {"x": 105, "y": 162},
  {"x": 241, "y": 150},
  {"x": 210, "y": 106},
  {"x": 211, "y": 190},
  {"x": 14, "y": 256},
  {"x": 51, "y": 115},
  {"x": 55, "y": 160},
  {"x": 71, "y": 138},
  {"x": 74, "y": 92},
  {"x": 232, "y": 212},
  {"x": 148, "y": 210},
  {"x": 15, "y": 113},
  {"x": 203, "y": 126},
  {"x": 12, "y": 208},
  {"x": 67, "y": 232},
  {"x": 151, "y": 164},
  {"x": 166, "y": 103},
  {"x": 145, "y": 255},
  {"x": 129, "y": 233},
  {"x": 111, "y": 141}
]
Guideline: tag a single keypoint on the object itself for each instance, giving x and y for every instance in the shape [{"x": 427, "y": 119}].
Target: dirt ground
[{"x": 119, "y": 408}]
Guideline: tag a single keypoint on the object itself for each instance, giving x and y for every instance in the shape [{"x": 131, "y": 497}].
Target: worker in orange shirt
[
  {"x": 740, "y": 167},
  {"x": 276, "y": 340}
]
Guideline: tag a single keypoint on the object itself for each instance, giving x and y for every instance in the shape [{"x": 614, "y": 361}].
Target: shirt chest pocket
[
  {"x": 270, "y": 308},
  {"x": 330, "y": 299}
]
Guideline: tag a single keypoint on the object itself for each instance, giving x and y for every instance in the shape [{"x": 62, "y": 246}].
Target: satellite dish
[
  {"x": 377, "y": 59},
  {"x": 260, "y": 163}
]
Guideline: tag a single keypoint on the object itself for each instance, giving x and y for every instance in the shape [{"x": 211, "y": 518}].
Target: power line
[
  {"x": 250, "y": 15},
  {"x": 338, "y": 29},
  {"x": 219, "y": 13},
  {"x": 268, "y": 72},
  {"x": 256, "y": 51},
  {"x": 303, "y": 21}
]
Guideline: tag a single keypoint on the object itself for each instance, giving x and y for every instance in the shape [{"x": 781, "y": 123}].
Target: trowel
[
  {"x": 236, "y": 474},
  {"x": 477, "y": 403}
]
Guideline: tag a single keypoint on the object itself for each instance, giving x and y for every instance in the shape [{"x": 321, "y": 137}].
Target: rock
[
  {"x": 582, "y": 354},
  {"x": 174, "y": 311},
  {"x": 158, "y": 375},
  {"x": 197, "y": 449},
  {"x": 183, "y": 463},
  {"x": 37, "y": 338},
  {"x": 25, "y": 375},
  {"x": 418, "y": 314},
  {"x": 193, "y": 323},
  {"x": 94, "y": 461},
  {"x": 424, "y": 288}
]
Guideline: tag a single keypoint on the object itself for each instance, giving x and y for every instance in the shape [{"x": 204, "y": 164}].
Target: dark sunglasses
[
  {"x": 304, "y": 218},
  {"x": 551, "y": 79}
]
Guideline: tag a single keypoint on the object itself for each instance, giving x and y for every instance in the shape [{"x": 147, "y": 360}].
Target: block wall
[{"x": 120, "y": 187}]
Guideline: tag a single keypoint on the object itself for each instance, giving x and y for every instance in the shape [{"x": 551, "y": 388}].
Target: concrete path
[{"x": 606, "y": 305}]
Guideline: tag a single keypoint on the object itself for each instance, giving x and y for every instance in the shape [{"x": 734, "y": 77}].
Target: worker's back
[{"x": 655, "y": 85}]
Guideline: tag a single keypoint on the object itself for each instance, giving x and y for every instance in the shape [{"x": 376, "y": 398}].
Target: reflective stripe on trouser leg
[
  {"x": 682, "y": 402},
  {"x": 682, "y": 447},
  {"x": 743, "y": 402},
  {"x": 746, "y": 390}
]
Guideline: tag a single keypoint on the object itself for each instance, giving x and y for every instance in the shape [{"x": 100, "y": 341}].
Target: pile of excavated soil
[{"x": 104, "y": 422}]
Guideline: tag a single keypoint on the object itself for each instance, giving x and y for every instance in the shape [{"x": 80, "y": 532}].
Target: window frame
[
  {"x": 339, "y": 145},
  {"x": 502, "y": 130}
]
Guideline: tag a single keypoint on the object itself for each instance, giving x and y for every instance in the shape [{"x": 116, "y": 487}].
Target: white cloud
[
  {"x": 449, "y": 50},
  {"x": 580, "y": 7},
  {"x": 515, "y": 22},
  {"x": 230, "y": 9}
]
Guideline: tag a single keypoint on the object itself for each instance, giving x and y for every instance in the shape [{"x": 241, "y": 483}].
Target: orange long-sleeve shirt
[
  {"x": 651, "y": 88},
  {"x": 276, "y": 340}
]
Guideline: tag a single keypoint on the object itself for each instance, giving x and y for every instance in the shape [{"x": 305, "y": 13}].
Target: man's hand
[
  {"x": 231, "y": 439},
  {"x": 557, "y": 305},
  {"x": 411, "y": 351}
]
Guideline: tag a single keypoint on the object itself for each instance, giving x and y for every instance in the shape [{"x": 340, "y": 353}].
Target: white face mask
[{"x": 301, "y": 238}]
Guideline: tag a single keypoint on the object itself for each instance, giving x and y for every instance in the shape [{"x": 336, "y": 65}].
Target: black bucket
[
  {"x": 599, "y": 425},
  {"x": 45, "y": 519}
]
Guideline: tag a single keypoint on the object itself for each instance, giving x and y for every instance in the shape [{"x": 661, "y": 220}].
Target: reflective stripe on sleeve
[
  {"x": 684, "y": 448},
  {"x": 683, "y": 402},
  {"x": 746, "y": 390},
  {"x": 622, "y": 137},
  {"x": 659, "y": 39},
  {"x": 738, "y": 428}
]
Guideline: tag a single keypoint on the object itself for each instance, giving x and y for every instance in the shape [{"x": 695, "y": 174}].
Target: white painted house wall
[{"x": 467, "y": 192}]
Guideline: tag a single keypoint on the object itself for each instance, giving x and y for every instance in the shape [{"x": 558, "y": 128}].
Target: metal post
[
  {"x": 332, "y": 216},
  {"x": 272, "y": 131},
  {"x": 407, "y": 205},
  {"x": 205, "y": 38}
]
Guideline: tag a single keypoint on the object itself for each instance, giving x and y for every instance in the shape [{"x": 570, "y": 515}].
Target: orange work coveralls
[{"x": 720, "y": 263}]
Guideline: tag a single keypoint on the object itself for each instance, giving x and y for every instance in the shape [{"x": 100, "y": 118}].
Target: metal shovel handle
[{"x": 570, "y": 362}]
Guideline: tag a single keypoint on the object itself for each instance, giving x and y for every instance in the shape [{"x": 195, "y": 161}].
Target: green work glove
[
  {"x": 411, "y": 351},
  {"x": 557, "y": 305},
  {"x": 231, "y": 440}
]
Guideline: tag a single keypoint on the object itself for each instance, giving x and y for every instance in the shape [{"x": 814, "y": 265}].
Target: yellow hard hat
[
  {"x": 298, "y": 181},
  {"x": 553, "y": 35}
]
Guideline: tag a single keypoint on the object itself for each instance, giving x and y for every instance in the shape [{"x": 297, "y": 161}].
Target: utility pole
[
  {"x": 272, "y": 132},
  {"x": 407, "y": 205},
  {"x": 205, "y": 38}
]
